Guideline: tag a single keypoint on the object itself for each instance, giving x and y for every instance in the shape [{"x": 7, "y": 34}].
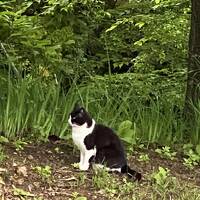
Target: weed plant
[
  {"x": 34, "y": 107},
  {"x": 45, "y": 172},
  {"x": 166, "y": 152},
  {"x": 161, "y": 185},
  {"x": 153, "y": 123}
]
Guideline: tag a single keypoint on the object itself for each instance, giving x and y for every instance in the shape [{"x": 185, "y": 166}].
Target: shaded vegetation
[
  {"x": 126, "y": 62},
  {"x": 128, "y": 57}
]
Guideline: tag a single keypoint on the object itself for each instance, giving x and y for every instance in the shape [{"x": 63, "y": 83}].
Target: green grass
[
  {"x": 33, "y": 107},
  {"x": 153, "y": 123},
  {"x": 160, "y": 185}
]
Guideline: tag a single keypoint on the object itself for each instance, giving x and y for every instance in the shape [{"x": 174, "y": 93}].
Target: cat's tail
[{"x": 131, "y": 173}]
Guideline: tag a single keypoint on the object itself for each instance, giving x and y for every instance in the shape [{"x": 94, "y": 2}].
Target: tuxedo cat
[{"x": 98, "y": 143}]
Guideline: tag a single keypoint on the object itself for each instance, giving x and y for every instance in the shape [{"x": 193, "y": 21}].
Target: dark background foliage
[{"x": 92, "y": 51}]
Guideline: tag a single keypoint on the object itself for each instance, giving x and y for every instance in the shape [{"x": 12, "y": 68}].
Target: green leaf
[
  {"x": 129, "y": 137},
  {"x": 157, "y": 1},
  {"x": 125, "y": 125},
  {"x": 140, "y": 24},
  {"x": 75, "y": 165},
  {"x": 70, "y": 42},
  {"x": 158, "y": 151},
  {"x": 111, "y": 28},
  {"x": 3, "y": 139},
  {"x": 126, "y": 132},
  {"x": 140, "y": 42},
  {"x": 198, "y": 149},
  {"x": 115, "y": 25}
]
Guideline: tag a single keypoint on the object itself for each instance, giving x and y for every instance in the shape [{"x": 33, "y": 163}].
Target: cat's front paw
[{"x": 84, "y": 167}]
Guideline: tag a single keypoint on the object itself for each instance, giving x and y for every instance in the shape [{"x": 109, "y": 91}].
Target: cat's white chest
[
  {"x": 79, "y": 133},
  {"x": 78, "y": 139}
]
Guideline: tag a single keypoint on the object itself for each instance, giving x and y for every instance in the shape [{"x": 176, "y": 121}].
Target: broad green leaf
[
  {"x": 198, "y": 149},
  {"x": 126, "y": 133},
  {"x": 125, "y": 125},
  {"x": 128, "y": 136}
]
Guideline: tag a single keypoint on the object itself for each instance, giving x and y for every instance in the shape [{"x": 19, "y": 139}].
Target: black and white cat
[{"x": 98, "y": 143}]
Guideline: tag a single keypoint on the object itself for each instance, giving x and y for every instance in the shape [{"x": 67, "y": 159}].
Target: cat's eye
[{"x": 80, "y": 114}]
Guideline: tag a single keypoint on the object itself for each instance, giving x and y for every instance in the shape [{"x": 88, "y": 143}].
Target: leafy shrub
[
  {"x": 166, "y": 152},
  {"x": 193, "y": 155},
  {"x": 126, "y": 132}
]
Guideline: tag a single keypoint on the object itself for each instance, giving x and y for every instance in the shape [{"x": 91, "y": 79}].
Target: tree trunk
[{"x": 193, "y": 81}]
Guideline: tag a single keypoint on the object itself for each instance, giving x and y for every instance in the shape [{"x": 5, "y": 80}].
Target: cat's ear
[
  {"x": 81, "y": 110},
  {"x": 77, "y": 106}
]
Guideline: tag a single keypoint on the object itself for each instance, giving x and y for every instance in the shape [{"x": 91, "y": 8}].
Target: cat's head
[{"x": 79, "y": 117}]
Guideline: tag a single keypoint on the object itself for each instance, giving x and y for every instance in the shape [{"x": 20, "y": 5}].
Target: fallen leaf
[
  {"x": 22, "y": 171},
  {"x": 20, "y": 181},
  {"x": 36, "y": 184},
  {"x": 30, "y": 157},
  {"x": 1, "y": 181},
  {"x": 21, "y": 192},
  {"x": 30, "y": 187},
  {"x": 2, "y": 170}
]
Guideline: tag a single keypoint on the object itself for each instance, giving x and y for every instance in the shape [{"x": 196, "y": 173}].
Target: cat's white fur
[
  {"x": 78, "y": 135},
  {"x": 100, "y": 166}
]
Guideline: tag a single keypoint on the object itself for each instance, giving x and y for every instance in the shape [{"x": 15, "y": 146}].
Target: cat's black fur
[{"x": 110, "y": 151}]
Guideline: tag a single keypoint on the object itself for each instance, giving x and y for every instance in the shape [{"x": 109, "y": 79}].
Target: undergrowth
[
  {"x": 32, "y": 107},
  {"x": 161, "y": 185}
]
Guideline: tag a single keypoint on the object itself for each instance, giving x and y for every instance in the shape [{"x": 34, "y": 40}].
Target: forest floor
[{"x": 46, "y": 171}]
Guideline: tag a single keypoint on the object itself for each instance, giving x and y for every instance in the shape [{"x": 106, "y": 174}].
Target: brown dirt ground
[{"x": 18, "y": 171}]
